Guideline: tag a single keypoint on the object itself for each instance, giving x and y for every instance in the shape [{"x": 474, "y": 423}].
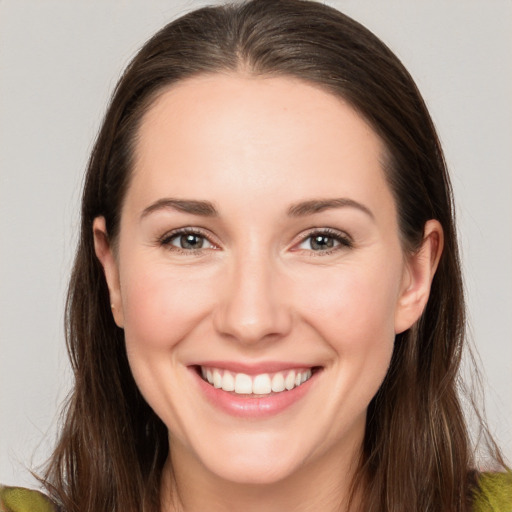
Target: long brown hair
[{"x": 416, "y": 455}]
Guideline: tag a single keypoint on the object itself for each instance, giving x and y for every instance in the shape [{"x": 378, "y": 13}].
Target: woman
[{"x": 266, "y": 307}]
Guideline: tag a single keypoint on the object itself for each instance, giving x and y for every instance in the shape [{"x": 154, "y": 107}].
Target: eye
[
  {"x": 186, "y": 240},
  {"x": 325, "y": 241}
]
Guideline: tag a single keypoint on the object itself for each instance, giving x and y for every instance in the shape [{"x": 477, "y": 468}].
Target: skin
[{"x": 257, "y": 290}]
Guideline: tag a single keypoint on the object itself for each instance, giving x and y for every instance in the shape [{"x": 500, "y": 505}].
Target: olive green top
[
  {"x": 18, "y": 499},
  {"x": 494, "y": 495}
]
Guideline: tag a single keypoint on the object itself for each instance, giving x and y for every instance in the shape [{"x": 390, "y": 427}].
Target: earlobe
[
  {"x": 104, "y": 252},
  {"x": 420, "y": 269}
]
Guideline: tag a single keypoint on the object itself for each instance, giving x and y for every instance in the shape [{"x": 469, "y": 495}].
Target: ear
[
  {"x": 105, "y": 254},
  {"x": 418, "y": 275}
]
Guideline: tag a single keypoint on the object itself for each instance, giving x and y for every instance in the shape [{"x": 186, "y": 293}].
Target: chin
[
  {"x": 258, "y": 459},
  {"x": 255, "y": 472}
]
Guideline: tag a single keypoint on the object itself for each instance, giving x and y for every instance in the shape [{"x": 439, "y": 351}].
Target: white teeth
[
  {"x": 304, "y": 376},
  {"x": 243, "y": 384},
  {"x": 228, "y": 382},
  {"x": 289, "y": 381},
  {"x": 278, "y": 383},
  {"x": 217, "y": 379},
  {"x": 262, "y": 384}
]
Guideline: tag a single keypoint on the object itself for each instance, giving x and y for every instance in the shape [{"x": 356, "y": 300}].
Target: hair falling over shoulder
[{"x": 417, "y": 453}]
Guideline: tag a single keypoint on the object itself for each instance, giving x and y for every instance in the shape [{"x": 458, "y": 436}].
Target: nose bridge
[{"x": 253, "y": 305}]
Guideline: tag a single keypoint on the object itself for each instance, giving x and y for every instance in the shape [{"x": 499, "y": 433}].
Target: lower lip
[{"x": 253, "y": 407}]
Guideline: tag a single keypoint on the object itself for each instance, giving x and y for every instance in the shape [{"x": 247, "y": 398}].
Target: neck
[{"x": 324, "y": 484}]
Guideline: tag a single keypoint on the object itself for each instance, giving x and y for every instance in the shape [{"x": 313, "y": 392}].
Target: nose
[{"x": 252, "y": 305}]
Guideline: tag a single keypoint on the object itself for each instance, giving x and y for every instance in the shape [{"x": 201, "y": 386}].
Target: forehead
[{"x": 224, "y": 132}]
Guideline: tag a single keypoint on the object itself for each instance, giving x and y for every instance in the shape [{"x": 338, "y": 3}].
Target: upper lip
[{"x": 254, "y": 368}]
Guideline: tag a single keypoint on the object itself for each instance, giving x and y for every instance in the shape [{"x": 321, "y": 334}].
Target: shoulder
[
  {"x": 494, "y": 493},
  {"x": 19, "y": 499}
]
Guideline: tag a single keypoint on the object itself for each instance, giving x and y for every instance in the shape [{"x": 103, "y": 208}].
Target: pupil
[
  {"x": 322, "y": 242},
  {"x": 191, "y": 242}
]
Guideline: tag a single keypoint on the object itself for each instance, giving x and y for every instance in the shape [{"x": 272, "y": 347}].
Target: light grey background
[{"x": 59, "y": 60}]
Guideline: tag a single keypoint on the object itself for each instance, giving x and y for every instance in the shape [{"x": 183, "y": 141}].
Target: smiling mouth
[{"x": 256, "y": 385}]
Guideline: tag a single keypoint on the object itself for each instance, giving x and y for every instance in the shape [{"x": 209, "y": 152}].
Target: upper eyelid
[
  {"x": 214, "y": 241},
  {"x": 325, "y": 231},
  {"x": 180, "y": 231},
  {"x": 165, "y": 240}
]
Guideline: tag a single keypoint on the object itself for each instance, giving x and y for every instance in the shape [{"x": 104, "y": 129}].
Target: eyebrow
[
  {"x": 194, "y": 207},
  {"x": 207, "y": 209},
  {"x": 319, "y": 205}
]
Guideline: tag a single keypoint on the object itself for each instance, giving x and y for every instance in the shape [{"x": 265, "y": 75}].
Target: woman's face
[{"x": 259, "y": 247}]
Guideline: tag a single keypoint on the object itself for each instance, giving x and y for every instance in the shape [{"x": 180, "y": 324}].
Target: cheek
[
  {"x": 160, "y": 309},
  {"x": 353, "y": 312},
  {"x": 160, "y": 306},
  {"x": 355, "y": 308}
]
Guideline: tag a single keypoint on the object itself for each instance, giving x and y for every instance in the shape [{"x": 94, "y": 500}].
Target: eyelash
[
  {"x": 166, "y": 239},
  {"x": 343, "y": 240}
]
